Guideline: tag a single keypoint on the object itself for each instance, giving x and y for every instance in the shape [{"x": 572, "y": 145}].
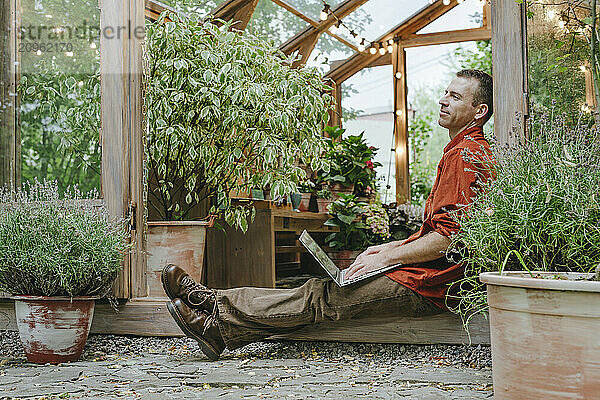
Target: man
[{"x": 234, "y": 317}]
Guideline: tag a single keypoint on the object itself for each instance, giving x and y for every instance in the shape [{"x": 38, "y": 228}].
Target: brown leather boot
[
  {"x": 200, "y": 326},
  {"x": 179, "y": 285}
]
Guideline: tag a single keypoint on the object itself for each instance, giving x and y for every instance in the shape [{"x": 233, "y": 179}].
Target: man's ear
[{"x": 481, "y": 112}]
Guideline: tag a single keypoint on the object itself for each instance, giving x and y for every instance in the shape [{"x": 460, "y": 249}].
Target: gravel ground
[{"x": 100, "y": 347}]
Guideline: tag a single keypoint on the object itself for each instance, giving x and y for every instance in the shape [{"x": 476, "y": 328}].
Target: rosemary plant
[
  {"x": 53, "y": 245},
  {"x": 541, "y": 213}
]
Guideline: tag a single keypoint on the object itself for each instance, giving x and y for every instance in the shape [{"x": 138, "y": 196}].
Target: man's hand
[{"x": 366, "y": 263}]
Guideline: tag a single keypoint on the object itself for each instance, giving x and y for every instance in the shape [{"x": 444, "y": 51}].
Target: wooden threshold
[{"x": 150, "y": 317}]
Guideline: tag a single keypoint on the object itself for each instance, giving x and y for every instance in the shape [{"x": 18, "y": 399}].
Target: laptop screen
[{"x": 320, "y": 255}]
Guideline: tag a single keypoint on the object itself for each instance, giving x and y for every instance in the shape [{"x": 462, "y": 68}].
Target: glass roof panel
[
  {"x": 467, "y": 15},
  {"x": 376, "y": 17},
  {"x": 328, "y": 49},
  {"x": 311, "y": 8},
  {"x": 201, "y": 8},
  {"x": 274, "y": 23}
]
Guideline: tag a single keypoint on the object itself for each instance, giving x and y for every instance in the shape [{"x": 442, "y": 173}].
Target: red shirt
[{"x": 454, "y": 186}]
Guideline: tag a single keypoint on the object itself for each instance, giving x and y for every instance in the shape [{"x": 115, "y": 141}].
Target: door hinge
[{"x": 132, "y": 216}]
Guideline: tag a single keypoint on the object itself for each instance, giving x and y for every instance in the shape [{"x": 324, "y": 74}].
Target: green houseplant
[
  {"x": 360, "y": 225},
  {"x": 225, "y": 114},
  {"x": 538, "y": 220},
  {"x": 352, "y": 169},
  {"x": 58, "y": 253}
]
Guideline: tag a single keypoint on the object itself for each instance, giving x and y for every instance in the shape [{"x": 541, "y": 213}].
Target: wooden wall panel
[
  {"x": 235, "y": 259},
  {"x": 509, "y": 62},
  {"x": 10, "y": 143}
]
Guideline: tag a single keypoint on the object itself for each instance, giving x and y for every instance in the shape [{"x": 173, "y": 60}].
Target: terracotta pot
[
  {"x": 173, "y": 242},
  {"x": 343, "y": 258},
  {"x": 544, "y": 335},
  {"x": 322, "y": 204},
  {"x": 53, "y": 329},
  {"x": 305, "y": 202},
  {"x": 338, "y": 189}
]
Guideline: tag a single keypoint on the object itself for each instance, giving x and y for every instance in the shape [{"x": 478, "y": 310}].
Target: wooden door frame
[{"x": 122, "y": 132}]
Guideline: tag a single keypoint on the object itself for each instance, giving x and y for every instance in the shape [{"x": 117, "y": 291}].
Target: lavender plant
[
  {"x": 57, "y": 245},
  {"x": 541, "y": 213}
]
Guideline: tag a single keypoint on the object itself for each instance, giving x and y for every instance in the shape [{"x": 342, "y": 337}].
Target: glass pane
[
  {"x": 200, "y": 7},
  {"x": 464, "y": 16},
  {"x": 376, "y": 17},
  {"x": 311, "y": 8},
  {"x": 368, "y": 99},
  {"x": 59, "y": 92},
  {"x": 272, "y": 22},
  {"x": 327, "y": 50},
  {"x": 560, "y": 76}
]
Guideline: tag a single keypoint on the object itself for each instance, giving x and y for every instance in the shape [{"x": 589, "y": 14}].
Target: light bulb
[
  {"x": 382, "y": 50},
  {"x": 361, "y": 48},
  {"x": 446, "y": 2},
  {"x": 373, "y": 50},
  {"x": 391, "y": 41},
  {"x": 390, "y": 49},
  {"x": 398, "y": 75},
  {"x": 324, "y": 13},
  {"x": 399, "y": 113},
  {"x": 459, "y": 1}
]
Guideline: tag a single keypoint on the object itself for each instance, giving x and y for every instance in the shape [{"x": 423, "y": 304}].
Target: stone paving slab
[{"x": 186, "y": 377}]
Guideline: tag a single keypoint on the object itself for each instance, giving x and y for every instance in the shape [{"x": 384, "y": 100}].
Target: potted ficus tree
[
  {"x": 533, "y": 237},
  {"x": 226, "y": 114},
  {"x": 58, "y": 254}
]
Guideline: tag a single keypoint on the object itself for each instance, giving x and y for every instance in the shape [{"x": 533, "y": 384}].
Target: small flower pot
[
  {"x": 53, "y": 329},
  {"x": 322, "y": 205},
  {"x": 337, "y": 189},
  {"x": 305, "y": 202},
  {"x": 296, "y": 198}
]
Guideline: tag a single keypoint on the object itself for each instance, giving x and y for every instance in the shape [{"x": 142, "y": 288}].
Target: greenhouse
[{"x": 211, "y": 169}]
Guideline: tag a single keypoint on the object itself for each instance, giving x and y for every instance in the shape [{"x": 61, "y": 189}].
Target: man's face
[{"x": 457, "y": 108}]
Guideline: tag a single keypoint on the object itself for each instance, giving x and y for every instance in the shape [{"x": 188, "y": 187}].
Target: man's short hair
[{"x": 484, "y": 92}]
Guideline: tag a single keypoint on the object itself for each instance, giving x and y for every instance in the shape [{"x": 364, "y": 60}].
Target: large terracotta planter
[
  {"x": 545, "y": 336},
  {"x": 342, "y": 259},
  {"x": 53, "y": 329},
  {"x": 182, "y": 243}
]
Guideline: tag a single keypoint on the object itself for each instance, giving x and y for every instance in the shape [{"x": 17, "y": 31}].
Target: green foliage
[
  {"x": 351, "y": 161},
  {"x": 225, "y": 112},
  {"x": 422, "y": 172},
  {"x": 60, "y": 125},
  {"x": 404, "y": 220},
  {"x": 481, "y": 58},
  {"x": 360, "y": 224},
  {"x": 542, "y": 207},
  {"x": 53, "y": 245}
]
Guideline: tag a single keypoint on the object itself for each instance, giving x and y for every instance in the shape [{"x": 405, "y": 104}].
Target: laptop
[{"x": 329, "y": 266}]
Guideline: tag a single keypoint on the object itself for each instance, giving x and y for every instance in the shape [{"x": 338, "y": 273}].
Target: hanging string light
[{"x": 362, "y": 42}]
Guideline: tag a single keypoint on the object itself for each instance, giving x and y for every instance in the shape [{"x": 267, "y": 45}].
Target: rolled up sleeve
[{"x": 455, "y": 189}]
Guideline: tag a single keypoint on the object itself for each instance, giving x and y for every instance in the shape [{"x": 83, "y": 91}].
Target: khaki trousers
[{"x": 248, "y": 315}]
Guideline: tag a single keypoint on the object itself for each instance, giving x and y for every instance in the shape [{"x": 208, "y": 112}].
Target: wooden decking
[{"x": 149, "y": 317}]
